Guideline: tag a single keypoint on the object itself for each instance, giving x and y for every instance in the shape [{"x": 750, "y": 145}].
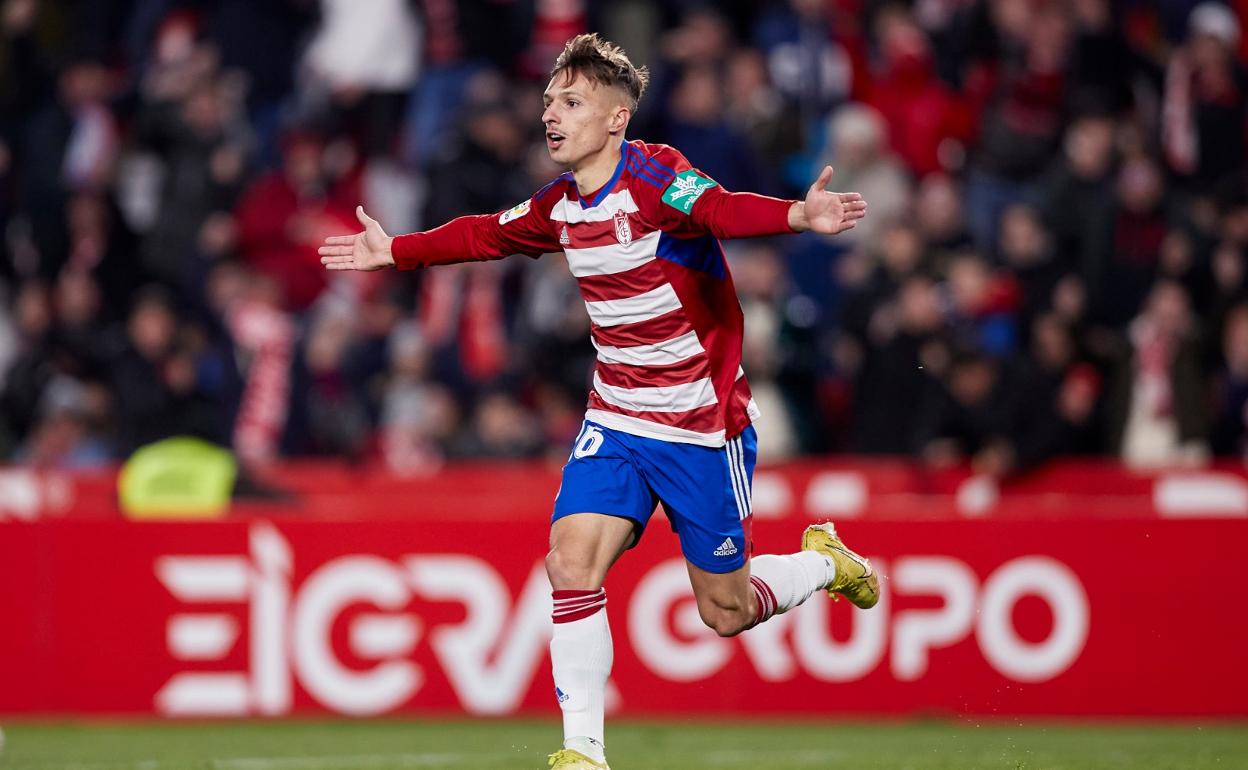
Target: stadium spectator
[
  {"x": 153, "y": 374},
  {"x": 758, "y": 111},
  {"x": 695, "y": 119},
  {"x": 901, "y": 359},
  {"x": 1139, "y": 225},
  {"x": 361, "y": 91},
  {"x": 1157, "y": 403},
  {"x": 1077, "y": 195},
  {"x": 968, "y": 418},
  {"x": 928, "y": 124},
  {"x": 284, "y": 214},
  {"x": 1206, "y": 99},
  {"x": 1055, "y": 397},
  {"x": 1230, "y": 412},
  {"x": 857, "y": 147},
  {"x": 940, "y": 217},
  {"x": 1026, "y": 251},
  {"x": 1024, "y": 99}
]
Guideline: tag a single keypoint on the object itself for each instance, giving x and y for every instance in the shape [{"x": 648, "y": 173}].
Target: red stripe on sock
[
  {"x": 564, "y": 595},
  {"x": 766, "y": 600},
  {"x": 577, "y": 605}
]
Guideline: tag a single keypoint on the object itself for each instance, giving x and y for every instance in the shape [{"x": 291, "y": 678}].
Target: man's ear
[{"x": 619, "y": 120}]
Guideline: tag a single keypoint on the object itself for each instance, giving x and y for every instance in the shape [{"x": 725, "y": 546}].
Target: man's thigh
[{"x": 706, "y": 493}]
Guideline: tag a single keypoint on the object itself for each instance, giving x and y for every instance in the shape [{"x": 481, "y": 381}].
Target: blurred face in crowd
[
  {"x": 697, "y": 98},
  {"x": 969, "y": 282},
  {"x": 152, "y": 327},
  {"x": 1022, "y": 236},
  {"x": 83, "y": 84},
  {"x": 204, "y": 111},
  {"x": 902, "y": 40},
  {"x": 972, "y": 380},
  {"x": 901, "y": 249},
  {"x": 759, "y": 273},
  {"x": 1077, "y": 397},
  {"x": 302, "y": 162},
  {"x": 918, "y": 304},
  {"x": 1090, "y": 147},
  {"x": 501, "y": 422},
  {"x": 747, "y": 76},
  {"x": 77, "y": 298},
  {"x": 1235, "y": 341},
  {"x": 33, "y": 310},
  {"x": 1048, "y": 39},
  {"x": 857, "y": 133},
  {"x": 1050, "y": 339},
  {"x": 495, "y": 129},
  {"x": 1167, "y": 308},
  {"x": 1139, "y": 185},
  {"x": 939, "y": 208},
  {"x": 583, "y": 119}
]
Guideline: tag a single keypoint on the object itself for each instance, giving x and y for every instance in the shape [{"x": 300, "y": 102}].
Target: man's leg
[
  {"x": 583, "y": 546},
  {"x": 767, "y": 585},
  {"x": 771, "y": 584}
]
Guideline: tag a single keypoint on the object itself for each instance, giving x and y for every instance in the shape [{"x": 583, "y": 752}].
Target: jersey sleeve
[
  {"x": 693, "y": 203},
  {"x": 523, "y": 229}
]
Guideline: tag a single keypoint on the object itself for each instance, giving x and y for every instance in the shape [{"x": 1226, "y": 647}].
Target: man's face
[{"x": 579, "y": 118}]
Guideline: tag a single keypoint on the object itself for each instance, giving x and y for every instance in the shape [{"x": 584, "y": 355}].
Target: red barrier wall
[{"x": 438, "y": 603}]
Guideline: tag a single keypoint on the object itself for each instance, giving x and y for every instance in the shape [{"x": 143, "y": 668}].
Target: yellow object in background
[{"x": 177, "y": 478}]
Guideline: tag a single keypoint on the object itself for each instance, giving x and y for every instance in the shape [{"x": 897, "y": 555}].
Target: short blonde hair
[{"x": 604, "y": 63}]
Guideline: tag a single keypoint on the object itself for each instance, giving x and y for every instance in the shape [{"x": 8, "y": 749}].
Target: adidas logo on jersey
[
  {"x": 564, "y": 240},
  {"x": 726, "y": 548}
]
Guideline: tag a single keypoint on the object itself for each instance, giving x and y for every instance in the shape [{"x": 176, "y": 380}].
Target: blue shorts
[{"x": 705, "y": 491}]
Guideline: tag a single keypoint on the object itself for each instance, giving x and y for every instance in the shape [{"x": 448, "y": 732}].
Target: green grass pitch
[{"x": 672, "y": 745}]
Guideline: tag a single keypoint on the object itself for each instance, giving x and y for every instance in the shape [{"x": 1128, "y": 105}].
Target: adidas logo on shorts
[{"x": 726, "y": 548}]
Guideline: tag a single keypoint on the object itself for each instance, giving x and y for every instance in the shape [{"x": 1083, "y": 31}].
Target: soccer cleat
[
  {"x": 567, "y": 759},
  {"x": 855, "y": 580}
]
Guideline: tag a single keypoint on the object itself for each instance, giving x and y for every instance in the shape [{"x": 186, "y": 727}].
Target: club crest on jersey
[
  {"x": 515, "y": 212},
  {"x": 623, "y": 233},
  {"x": 685, "y": 190}
]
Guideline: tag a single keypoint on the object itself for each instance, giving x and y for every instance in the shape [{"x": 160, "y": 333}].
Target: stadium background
[{"x": 1021, "y": 384}]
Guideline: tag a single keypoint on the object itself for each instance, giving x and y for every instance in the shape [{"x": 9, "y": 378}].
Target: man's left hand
[{"x": 825, "y": 211}]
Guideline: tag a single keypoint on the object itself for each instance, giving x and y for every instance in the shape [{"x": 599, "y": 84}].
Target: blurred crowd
[{"x": 1053, "y": 263}]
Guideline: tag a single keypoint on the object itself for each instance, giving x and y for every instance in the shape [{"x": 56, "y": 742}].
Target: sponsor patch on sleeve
[
  {"x": 515, "y": 212},
  {"x": 685, "y": 190}
]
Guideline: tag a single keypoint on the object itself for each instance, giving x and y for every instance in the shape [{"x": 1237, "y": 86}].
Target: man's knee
[
  {"x": 726, "y": 618},
  {"x": 570, "y": 570}
]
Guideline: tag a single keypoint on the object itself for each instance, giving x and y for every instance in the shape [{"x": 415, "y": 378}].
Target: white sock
[
  {"x": 580, "y": 659},
  {"x": 783, "y": 582}
]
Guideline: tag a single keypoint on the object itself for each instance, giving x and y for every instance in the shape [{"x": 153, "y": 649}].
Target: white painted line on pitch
[
  {"x": 418, "y": 760},
  {"x": 812, "y": 757},
  {"x": 722, "y": 758},
  {"x": 426, "y": 759}
]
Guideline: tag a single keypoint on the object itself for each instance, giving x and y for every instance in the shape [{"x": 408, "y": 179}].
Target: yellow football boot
[
  {"x": 855, "y": 580},
  {"x": 567, "y": 759}
]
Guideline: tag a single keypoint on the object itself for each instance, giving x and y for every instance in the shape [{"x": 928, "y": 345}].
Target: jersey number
[{"x": 588, "y": 442}]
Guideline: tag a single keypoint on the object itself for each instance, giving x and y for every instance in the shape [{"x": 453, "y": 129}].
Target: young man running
[{"x": 670, "y": 413}]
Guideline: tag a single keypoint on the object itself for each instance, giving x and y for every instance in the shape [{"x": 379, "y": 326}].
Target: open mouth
[{"x": 554, "y": 140}]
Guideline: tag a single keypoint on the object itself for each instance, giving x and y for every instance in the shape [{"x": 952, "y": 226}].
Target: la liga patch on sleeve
[
  {"x": 685, "y": 190},
  {"x": 515, "y": 212}
]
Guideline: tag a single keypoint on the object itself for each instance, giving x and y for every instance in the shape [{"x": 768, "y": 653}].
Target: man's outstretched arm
[
  {"x": 464, "y": 239},
  {"x": 748, "y": 215}
]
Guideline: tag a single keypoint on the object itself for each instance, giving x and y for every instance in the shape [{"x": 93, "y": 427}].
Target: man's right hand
[{"x": 369, "y": 250}]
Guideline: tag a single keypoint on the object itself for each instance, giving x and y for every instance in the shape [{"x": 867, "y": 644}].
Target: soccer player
[{"x": 670, "y": 415}]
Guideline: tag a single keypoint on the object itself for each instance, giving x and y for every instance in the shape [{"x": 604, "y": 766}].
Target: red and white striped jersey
[{"x": 644, "y": 249}]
